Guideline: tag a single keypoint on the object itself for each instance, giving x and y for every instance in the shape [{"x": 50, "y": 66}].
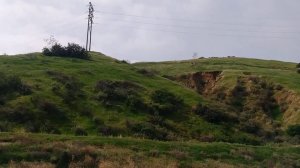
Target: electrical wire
[
  {"x": 204, "y": 28},
  {"x": 201, "y": 34},
  {"x": 185, "y": 20}
]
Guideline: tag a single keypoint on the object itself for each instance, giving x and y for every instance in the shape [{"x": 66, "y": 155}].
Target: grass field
[{"x": 129, "y": 152}]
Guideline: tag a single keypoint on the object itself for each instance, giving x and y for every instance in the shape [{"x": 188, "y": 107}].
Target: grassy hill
[
  {"x": 282, "y": 76},
  {"x": 68, "y": 86},
  {"x": 52, "y": 102},
  {"x": 276, "y": 71}
]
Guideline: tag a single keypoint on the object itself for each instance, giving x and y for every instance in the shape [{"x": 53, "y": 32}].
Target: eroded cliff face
[
  {"x": 253, "y": 98},
  {"x": 202, "y": 82}
]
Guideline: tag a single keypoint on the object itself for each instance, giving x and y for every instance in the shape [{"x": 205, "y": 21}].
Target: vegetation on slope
[
  {"x": 264, "y": 94},
  {"x": 104, "y": 96}
]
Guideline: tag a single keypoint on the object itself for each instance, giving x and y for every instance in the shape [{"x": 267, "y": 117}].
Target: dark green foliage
[
  {"x": 136, "y": 104},
  {"x": 98, "y": 121},
  {"x": 72, "y": 87},
  {"x": 163, "y": 97},
  {"x": 5, "y": 126},
  {"x": 148, "y": 130},
  {"x": 112, "y": 92},
  {"x": 166, "y": 103},
  {"x": 293, "y": 130},
  {"x": 298, "y": 65},
  {"x": 250, "y": 126},
  {"x": 52, "y": 110},
  {"x": 35, "y": 120},
  {"x": 76, "y": 51},
  {"x": 47, "y": 110},
  {"x": 238, "y": 94},
  {"x": 47, "y": 52},
  {"x": 20, "y": 114},
  {"x": 80, "y": 132},
  {"x": 12, "y": 84},
  {"x": 49, "y": 128},
  {"x": 146, "y": 72},
  {"x": 109, "y": 130},
  {"x": 72, "y": 50},
  {"x": 214, "y": 115}
]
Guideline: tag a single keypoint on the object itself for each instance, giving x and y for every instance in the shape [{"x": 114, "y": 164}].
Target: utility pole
[{"x": 90, "y": 27}]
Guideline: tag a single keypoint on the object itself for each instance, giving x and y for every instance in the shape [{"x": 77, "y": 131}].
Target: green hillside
[
  {"x": 104, "y": 96},
  {"x": 191, "y": 112},
  {"x": 281, "y": 76},
  {"x": 277, "y": 71},
  {"x": 69, "y": 86}
]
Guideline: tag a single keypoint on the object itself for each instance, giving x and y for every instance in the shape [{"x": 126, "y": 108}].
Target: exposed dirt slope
[
  {"x": 256, "y": 99},
  {"x": 289, "y": 103},
  {"x": 203, "y": 82}
]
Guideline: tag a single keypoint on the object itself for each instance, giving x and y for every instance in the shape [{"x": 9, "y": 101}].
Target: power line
[
  {"x": 198, "y": 34},
  {"x": 186, "y": 20},
  {"x": 207, "y": 28}
]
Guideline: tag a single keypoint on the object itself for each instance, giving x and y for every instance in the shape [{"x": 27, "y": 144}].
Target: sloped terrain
[
  {"x": 104, "y": 96},
  {"x": 264, "y": 94},
  {"x": 213, "y": 100}
]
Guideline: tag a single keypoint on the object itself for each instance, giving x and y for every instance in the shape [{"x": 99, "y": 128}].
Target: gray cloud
[{"x": 170, "y": 30}]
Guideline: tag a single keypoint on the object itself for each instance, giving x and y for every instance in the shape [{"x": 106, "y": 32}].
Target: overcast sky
[{"x": 156, "y": 30}]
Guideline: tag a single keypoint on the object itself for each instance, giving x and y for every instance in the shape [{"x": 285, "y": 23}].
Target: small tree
[{"x": 76, "y": 51}]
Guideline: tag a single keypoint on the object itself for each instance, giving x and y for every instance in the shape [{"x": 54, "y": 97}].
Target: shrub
[
  {"x": 112, "y": 92},
  {"x": 146, "y": 72},
  {"x": 163, "y": 97},
  {"x": 21, "y": 115},
  {"x": 98, "y": 121},
  {"x": 51, "y": 110},
  {"x": 10, "y": 84},
  {"x": 72, "y": 50},
  {"x": 166, "y": 102},
  {"x": 72, "y": 86},
  {"x": 80, "y": 132},
  {"x": 250, "y": 127},
  {"x": 148, "y": 130},
  {"x": 135, "y": 103},
  {"x": 47, "y": 52},
  {"x": 298, "y": 65},
  {"x": 213, "y": 115},
  {"x": 293, "y": 130},
  {"x": 5, "y": 126},
  {"x": 109, "y": 131}
]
